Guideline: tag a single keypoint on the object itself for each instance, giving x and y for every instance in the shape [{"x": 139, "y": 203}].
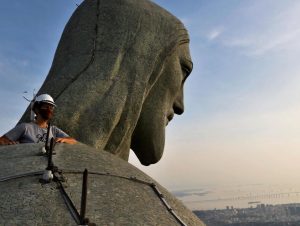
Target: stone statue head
[{"x": 117, "y": 76}]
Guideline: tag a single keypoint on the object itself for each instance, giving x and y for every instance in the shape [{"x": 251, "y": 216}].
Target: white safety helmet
[{"x": 44, "y": 98}]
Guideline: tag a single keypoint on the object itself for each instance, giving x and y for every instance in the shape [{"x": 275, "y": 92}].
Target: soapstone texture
[
  {"x": 108, "y": 63},
  {"x": 117, "y": 81},
  {"x": 112, "y": 199}
]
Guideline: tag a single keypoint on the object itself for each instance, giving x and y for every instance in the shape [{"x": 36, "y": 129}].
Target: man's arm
[
  {"x": 13, "y": 136},
  {"x": 68, "y": 140},
  {"x": 63, "y": 137},
  {"x": 5, "y": 141}
]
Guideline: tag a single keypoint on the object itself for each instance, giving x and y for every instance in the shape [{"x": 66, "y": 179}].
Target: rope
[{"x": 36, "y": 173}]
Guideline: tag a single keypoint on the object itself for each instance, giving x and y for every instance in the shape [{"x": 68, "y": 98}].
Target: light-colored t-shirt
[{"x": 32, "y": 133}]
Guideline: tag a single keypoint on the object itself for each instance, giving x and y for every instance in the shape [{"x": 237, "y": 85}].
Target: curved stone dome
[{"x": 117, "y": 192}]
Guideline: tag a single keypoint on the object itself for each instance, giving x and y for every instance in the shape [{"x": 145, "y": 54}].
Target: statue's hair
[{"x": 110, "y": 55}]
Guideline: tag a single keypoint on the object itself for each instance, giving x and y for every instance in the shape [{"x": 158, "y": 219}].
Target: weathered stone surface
[
  {"x": 117, "y": 79},
  {"x": 118, "y": 70},
  {"x": 113, "y": 199}
]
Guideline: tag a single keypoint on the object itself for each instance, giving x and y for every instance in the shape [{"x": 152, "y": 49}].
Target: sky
[{"x": 242, "y": 101}]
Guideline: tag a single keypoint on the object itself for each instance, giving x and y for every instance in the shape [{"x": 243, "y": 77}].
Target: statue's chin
[
  {"x": 148, "y": 137},
  {"x": 148, "y": 150},
  {"x": 148, "y": 156}
]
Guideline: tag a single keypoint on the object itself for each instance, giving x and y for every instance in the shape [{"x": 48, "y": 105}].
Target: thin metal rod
[
  {"x": 50, "y": 163},
  {"x": 84, "y": 197},
  {"x": 69, "y": 204},
  {"x": 47, "y": 137}
]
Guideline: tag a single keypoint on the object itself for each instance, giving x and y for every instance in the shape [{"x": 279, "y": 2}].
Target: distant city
[
  {"x": 245, "y": 205},
  {"x": 239, "y": 196},
  {"x": 260, "y": 215}
]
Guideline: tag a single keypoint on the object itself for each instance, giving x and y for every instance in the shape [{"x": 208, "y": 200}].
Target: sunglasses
[{"x": 47, "y": 106}]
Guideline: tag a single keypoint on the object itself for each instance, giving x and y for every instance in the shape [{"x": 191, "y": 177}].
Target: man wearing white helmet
[{"x": 34, "y": 132}]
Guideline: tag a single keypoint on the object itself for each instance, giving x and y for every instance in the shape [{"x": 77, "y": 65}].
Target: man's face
[
  {"x": 163, "y": 101},
  {"x": 46, "y": 111}
]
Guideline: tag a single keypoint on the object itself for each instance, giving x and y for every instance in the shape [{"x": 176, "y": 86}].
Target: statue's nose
[{"x": 178, "y": 105}]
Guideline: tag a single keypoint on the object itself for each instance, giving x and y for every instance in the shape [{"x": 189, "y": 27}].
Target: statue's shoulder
[{"x": 117, "y": 191}]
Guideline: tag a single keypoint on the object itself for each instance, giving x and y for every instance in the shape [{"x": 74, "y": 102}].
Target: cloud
[
  {"x": 12, "y": 65},
  {"x": 24, "y": 63},
  {"x": 190, "y": 192},
  {"x": 239, "y": 42},
  {"x": 215, "y": 33},
  {"x": 275, "y": 30},
  {"x": 266, "y": 43},
  {"x": 279, "y": 42}
]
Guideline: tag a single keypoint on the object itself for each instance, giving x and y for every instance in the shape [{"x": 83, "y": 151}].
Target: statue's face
[{"x": 163, "y": 101}]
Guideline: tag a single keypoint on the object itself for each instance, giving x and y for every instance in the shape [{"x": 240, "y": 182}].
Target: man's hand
[
  {"x": 67, "y": 140},
  {"x": 5, "y": 141}
]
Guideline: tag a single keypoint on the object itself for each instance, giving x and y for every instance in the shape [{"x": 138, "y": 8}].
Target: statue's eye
[
  {"x": 186, "y": 68},
  {"x": 186, "y": 71}
]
